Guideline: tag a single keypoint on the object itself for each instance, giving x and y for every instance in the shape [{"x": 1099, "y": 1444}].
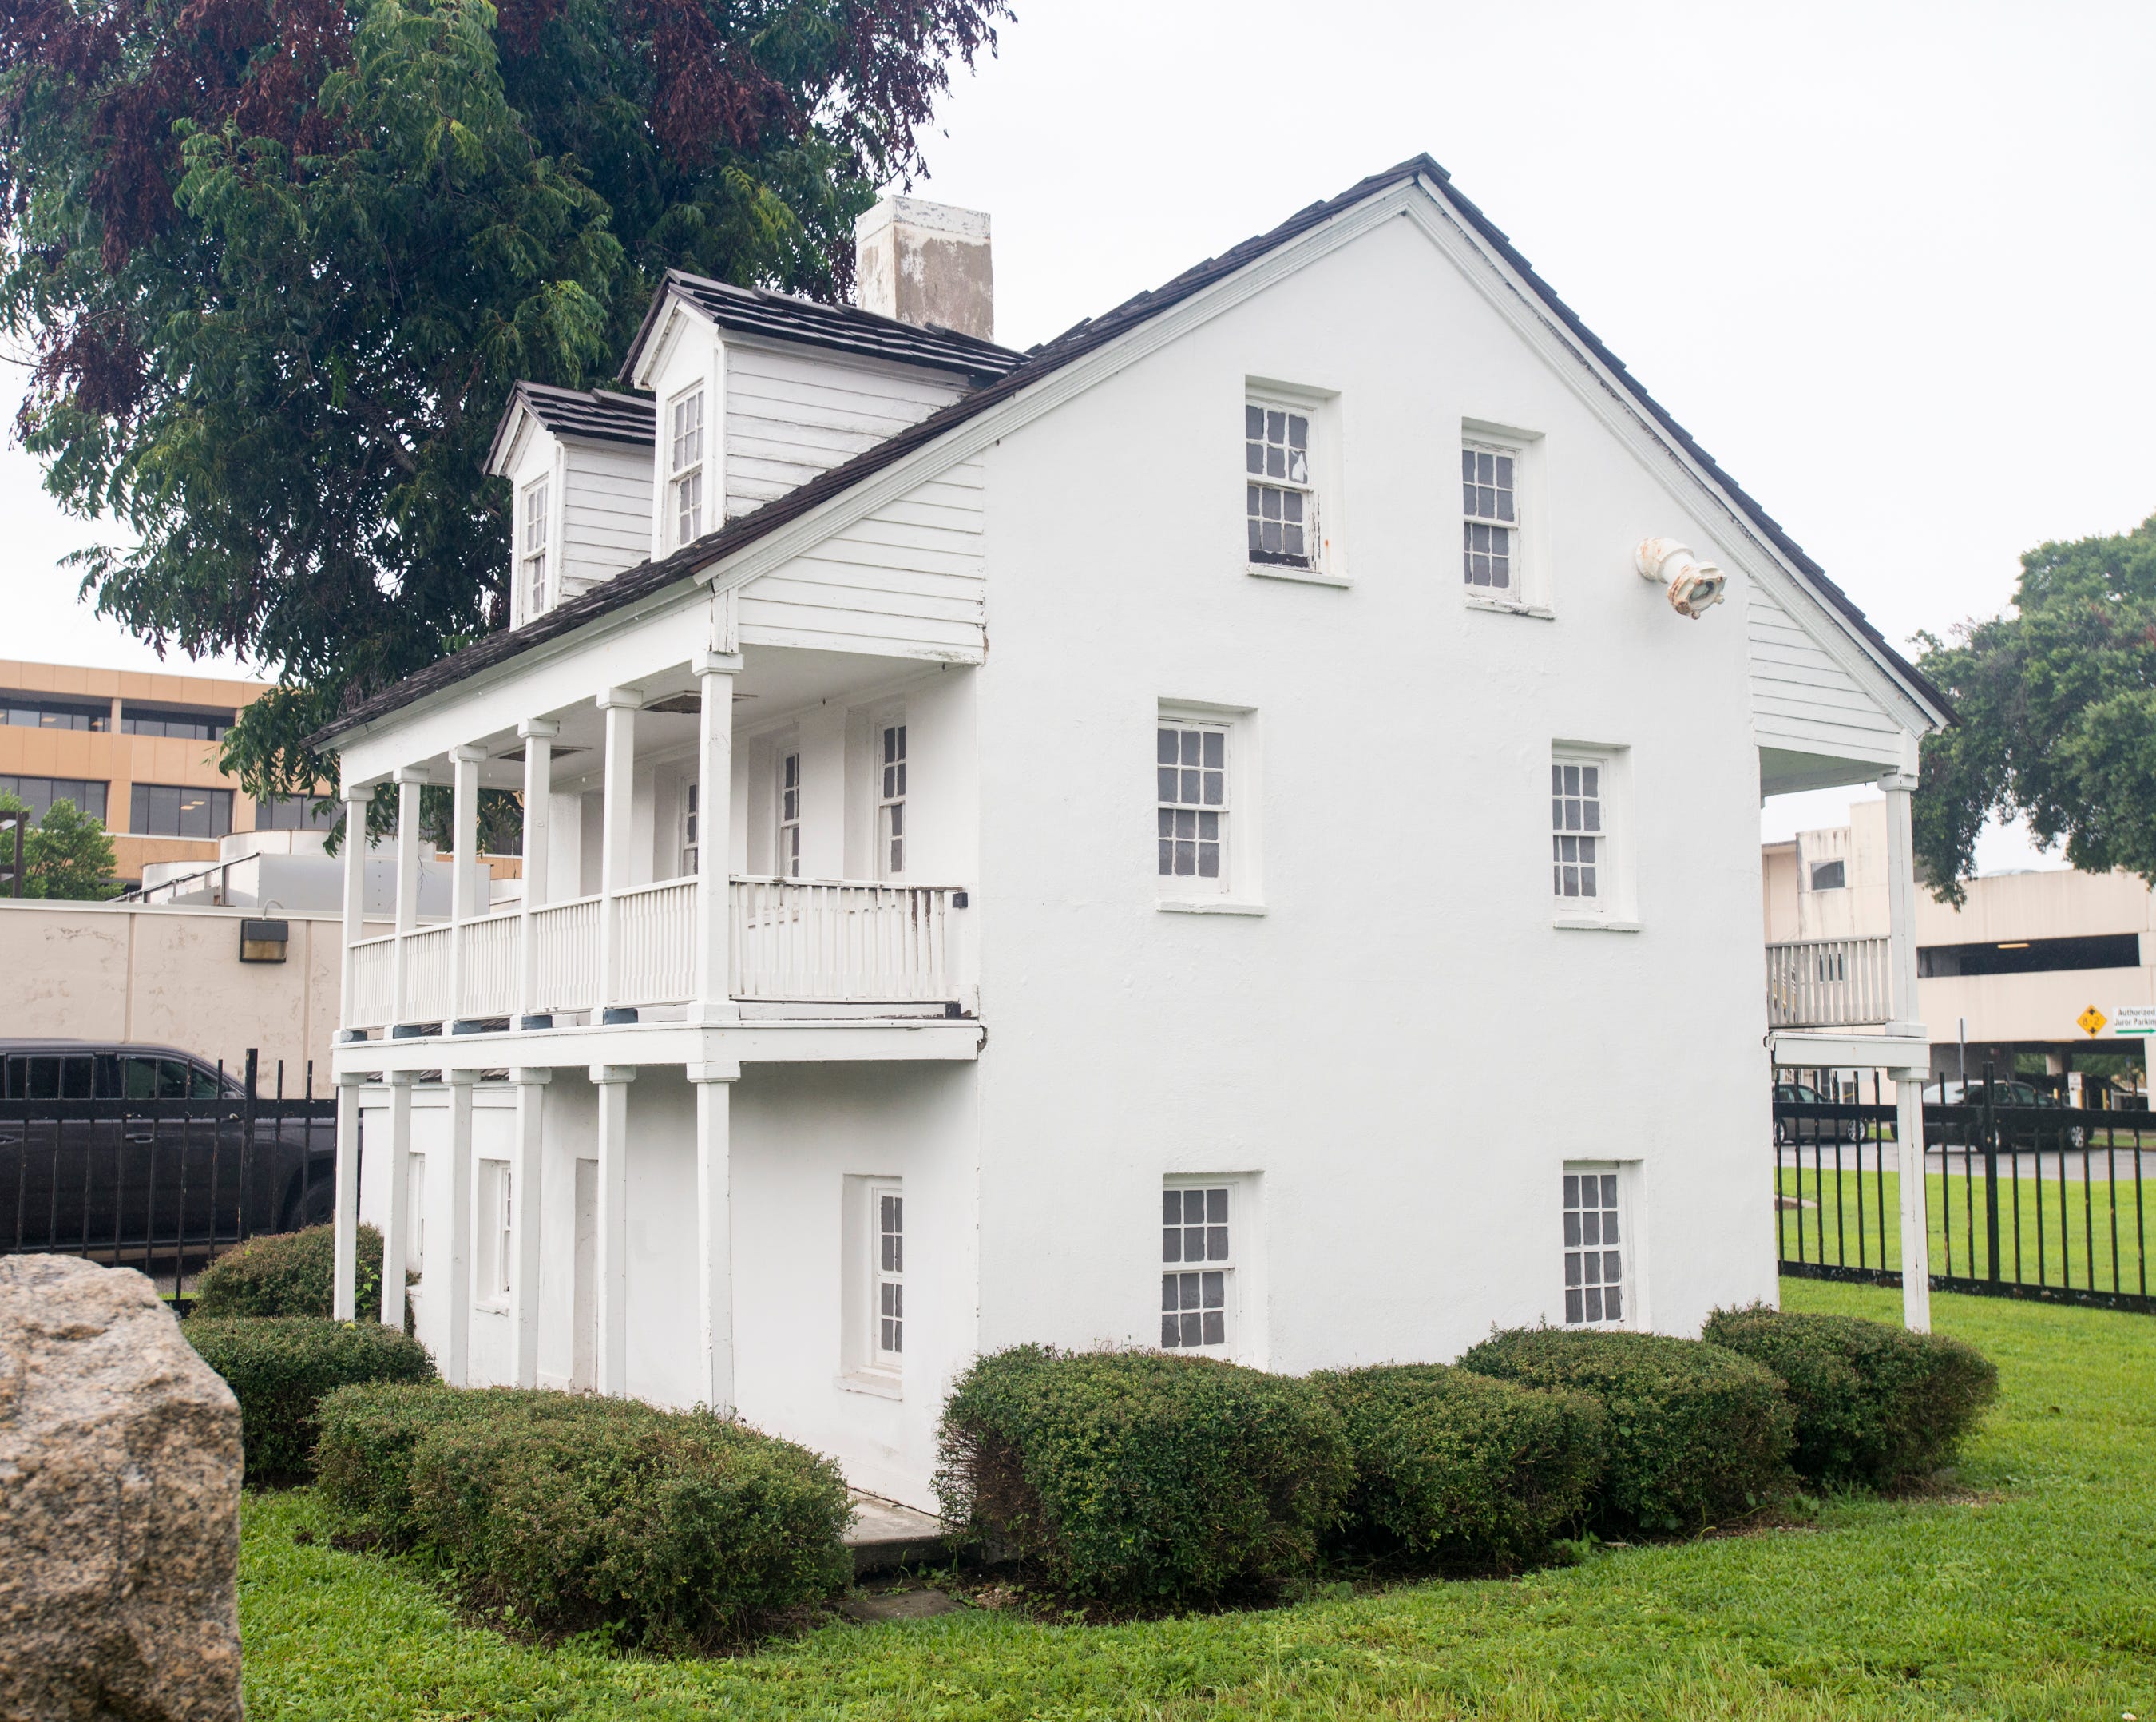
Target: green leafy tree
[
  {"x": 65, "y": 855},
  {"x": 280, "y": 260},
  {"x": 2057, "y": 707}
]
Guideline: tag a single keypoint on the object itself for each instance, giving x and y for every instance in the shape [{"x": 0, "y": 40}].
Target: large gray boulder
[{"x": 119, "y": 1504}]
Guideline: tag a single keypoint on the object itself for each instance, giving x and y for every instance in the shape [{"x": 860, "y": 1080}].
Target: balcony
[
  {"x": 790, "y": 941},
  {"x": 1830, "y": 982}
]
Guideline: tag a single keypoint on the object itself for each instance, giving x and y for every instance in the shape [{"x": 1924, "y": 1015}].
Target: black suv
[{"x": 107, "y": 1149}]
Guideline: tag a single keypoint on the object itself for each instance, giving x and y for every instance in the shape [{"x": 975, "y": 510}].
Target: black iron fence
[
  {"x": 2021, "y": 1200},
  {"x": 166, "y": 1181}
]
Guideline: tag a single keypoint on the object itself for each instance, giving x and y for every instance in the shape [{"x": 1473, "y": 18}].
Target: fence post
[
  {"x": 1990, "y": 1126},
  {"x": 247, "y": 1139}
]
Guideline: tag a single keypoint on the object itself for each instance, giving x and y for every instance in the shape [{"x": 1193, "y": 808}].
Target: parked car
[
  {"x": 1795, "y": 1127},
  {"x": 108, "y": 1148},
  {"x": 2013, "y": 1103}
]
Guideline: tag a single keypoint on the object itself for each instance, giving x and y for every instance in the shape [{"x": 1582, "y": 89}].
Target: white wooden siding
[
  {"x": 792, "y": 415},
  {"x": 606, "y": 512},
  {"x": 906, "y": 581},
  {"x": 1803, "y": 702}
]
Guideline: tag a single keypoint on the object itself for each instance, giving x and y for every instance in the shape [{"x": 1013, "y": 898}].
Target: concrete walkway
[{"x": 884, "y": 1535}]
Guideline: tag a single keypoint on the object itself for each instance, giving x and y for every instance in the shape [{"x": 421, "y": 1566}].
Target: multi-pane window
[
  {"x": 1490, "y": 528},
  {"x": 178, "y": 810},
  {"x": 40, "y": 712},
  {"x": 1280, "y": 500},
  {"x": 789, "y": 816},
  {"x": 176, "y": 723},
  {"x": 685, "y": 466},
  {"x": 491, "y": 1285},
  {"x": 888, "y": 1201},
  {"x": 1577, "y": 836},
  {"x": 1190, "y": 772},
  {"x": 532, "y": 532},
  {"x": 1197, "y": 1259},
  {"x": 1593, "y": 1250},
  {"x": 890, "y": 802},
  {"x": 689, "y": 852},
  {"x": 294, "y": 813},
  {"x": 39, "y": 794}
]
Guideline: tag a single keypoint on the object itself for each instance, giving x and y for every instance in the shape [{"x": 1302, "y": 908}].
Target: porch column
[
  {"x": 610, "y": 1367},
  {"x": 345, "y": 1256},
  {"x": 463, "y": 850},
  {"x": 537, "y": 735},
  {"x": 354, "y": 841},
  {"x": 409, "y": 782},
  {"x": 715, "y": 1242},
  {"x": 620, "y": 705},
  {"x": 524, "y": 1211},
  {"x": 458, "y": 1365},
  {"x": 714, "y": 805},
  {"x": 397, "y": 1230},
  {"x": 1909, "y": 1084}
]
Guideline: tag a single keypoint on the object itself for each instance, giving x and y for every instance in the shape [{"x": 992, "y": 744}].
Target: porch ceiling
[{"x": 1786, "y": 773}]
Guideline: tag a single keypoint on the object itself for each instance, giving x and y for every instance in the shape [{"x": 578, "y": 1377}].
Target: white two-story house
[{"x": 1197, "y": 834}]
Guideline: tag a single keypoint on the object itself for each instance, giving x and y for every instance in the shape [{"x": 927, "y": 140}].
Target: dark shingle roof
[
  {"x": 596, "y": 414},
  {"x": 842, "y": 328},
  {"x": 650, "y": 577}
]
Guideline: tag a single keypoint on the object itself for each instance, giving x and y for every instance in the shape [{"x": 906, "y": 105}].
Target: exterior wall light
[
  {"x": 1695, "y": 587},
  {"x": 264, "y": 941}
]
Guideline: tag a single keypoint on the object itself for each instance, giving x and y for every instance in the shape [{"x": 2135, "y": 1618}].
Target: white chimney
[{"x": 926, "y": 263}]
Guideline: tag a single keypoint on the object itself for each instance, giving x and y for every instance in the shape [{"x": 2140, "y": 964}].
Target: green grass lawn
[
  {"x": 2086, "y": 1235},
  {"x": 2031, "y": 1592}
]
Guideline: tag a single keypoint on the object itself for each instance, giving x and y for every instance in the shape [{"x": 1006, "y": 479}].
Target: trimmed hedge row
[
  {"x": 1695, "y": 1433},
  {"x": 1137, "y": 1479},
  {"x": 1455, "y": 1466},
  {"x": 1875, "y": 1404},
  {"x": 288, "y": 1273},
  {"x": 676, "y": 1529},
  {"x": 280, "y": 1368}
]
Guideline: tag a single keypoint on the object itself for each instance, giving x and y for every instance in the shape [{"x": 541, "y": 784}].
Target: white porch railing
[
  {"x": 792, "y": 941},
  {"x": 1829, "y": 983},
  {"x": 797, "y": 940}
]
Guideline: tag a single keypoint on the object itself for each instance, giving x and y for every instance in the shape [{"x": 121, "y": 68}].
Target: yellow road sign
[{"x": 2091, "y": 1021}]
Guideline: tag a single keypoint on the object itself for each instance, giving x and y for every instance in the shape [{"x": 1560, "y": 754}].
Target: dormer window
[
  {"x": 684, "y": 465},
  {"x": 534, "y": 516}
]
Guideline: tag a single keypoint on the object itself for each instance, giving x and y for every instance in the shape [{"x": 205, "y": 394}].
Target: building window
[
  {"x": 689, "y": 830},
  {"x": 294, "y": 813},
  {"x": 887, "y": 1202},
  {"x": 41, "y": 711},
  {"x": 1190, "y": 775},
  {"x": 39, "y": 794},
  {"x": 491, "y": 1284},
  {"x": 174, "y": 810},
  {"x": 891, "y": 803},
  {"x": 1579, "y": 863},
  {"x": 1490, "y": 531},
  {"x": 1829, "y": 876},
  {"x": 176, "y": 723},
  {"x": 685, "y": 467},
  {"x": 532, "y": 532},
  {"x": 1279, "y": 496},
  {"x": 789, "y": 816},
  {"x": 1198, "y": 1267},
  {"x": 415, "y": 1213},
  {"x": 1594, "y": 1249}
]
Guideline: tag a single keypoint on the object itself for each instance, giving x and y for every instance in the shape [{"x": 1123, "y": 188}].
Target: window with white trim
[
  {"x": 887, "y": 1209},
  {"x": 1490, "y": 526},
  {"x": 534, "y": 527},
  {"x": 1280, "y": 489},
  {"x": 685, "y": 467},
  {"x": 1580, "y": 844},
  {"x": 1198, "y": 1267},
  {"x": 1596, "y": 1250},
  {"x": 1191, "y": 811},
  {"x": 788, "y": 860},
  {"x": 890, "y": 801},
  {"x": 490, "y": 1282},
  {"x": 689, "y": 791},
  {"x": 415, "y": 1213}
]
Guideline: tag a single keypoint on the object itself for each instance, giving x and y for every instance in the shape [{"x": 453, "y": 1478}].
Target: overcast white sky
[{"x": 1891, "y": 262}]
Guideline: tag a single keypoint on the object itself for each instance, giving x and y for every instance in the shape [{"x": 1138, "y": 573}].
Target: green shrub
[
  {"x": 279, "y": 1367},
  {"x": 290, "y": 1273},
  {"x": 1875, "y": 1404},
  {"x": 675, "y": 1530},
  {"x": 1457, "y": 1466},
  {"x": 1135, "y": 1477},
  {"x": 1695, "y": 1433}
]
